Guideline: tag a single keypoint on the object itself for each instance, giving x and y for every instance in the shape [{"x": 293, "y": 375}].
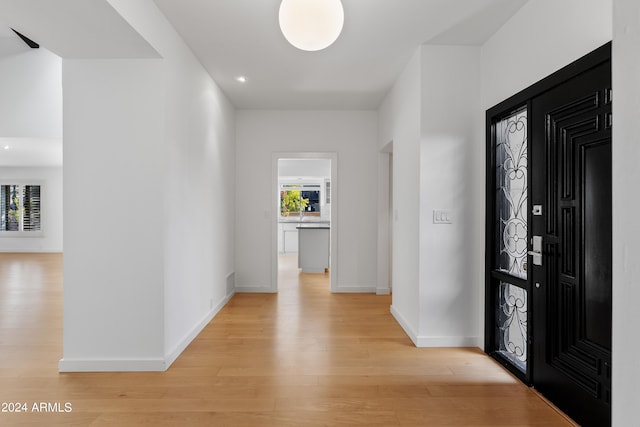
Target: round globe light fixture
[{"x": 311, "y": 24}]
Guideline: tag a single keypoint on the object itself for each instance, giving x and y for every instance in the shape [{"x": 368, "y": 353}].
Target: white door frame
[{"x": 275, "y": 211}]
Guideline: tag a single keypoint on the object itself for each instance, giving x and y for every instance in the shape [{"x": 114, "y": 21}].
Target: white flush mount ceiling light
[{"x": 311, "y": 24}]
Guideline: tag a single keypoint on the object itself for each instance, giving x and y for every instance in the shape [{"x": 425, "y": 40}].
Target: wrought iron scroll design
[
  {"x": 511, "y": 170},
  {"x": 512, "y": 324}
]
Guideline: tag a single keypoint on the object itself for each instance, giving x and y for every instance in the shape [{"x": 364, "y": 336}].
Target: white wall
[
  {"x": 149, "y": 143},
  {"x": 400, "y": 124},
  {"x": 113, "y": 215},
  {"x": 432, "y": 115},
  {"x": 443, "y": 271},
  {"x": 626, "y": 231},
  {"x": 451, "y": 178},
  {"x": 541, "y": 38},
  {"x": 50, "y": 178},
  {"x": 350, "y": 134},
  {"x": 198, "y": 182},
  {"x": 31, "y": 88},
  {"x": 317, "y": 168}
]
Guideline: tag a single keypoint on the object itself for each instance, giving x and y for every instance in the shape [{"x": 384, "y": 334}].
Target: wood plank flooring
[{"x": 302, "y": 357}]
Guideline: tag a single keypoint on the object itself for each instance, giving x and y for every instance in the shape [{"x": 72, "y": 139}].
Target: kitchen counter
[
  {"x": 315, "y": 226},
  {"x": 304, "y": 221}
]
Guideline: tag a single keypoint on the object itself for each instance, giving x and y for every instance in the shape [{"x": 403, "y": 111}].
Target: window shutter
[
  {"x": 4, "y": 207},
  {"x": 31, "y": 204},
  {"x": 13, "y": 208}
]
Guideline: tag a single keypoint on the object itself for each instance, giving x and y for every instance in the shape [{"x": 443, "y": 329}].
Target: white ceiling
[
  {"x": 242, "y": 37},
  {"x": 25, "y": 151},
  {"x": 30, "y": 152},
  {"x": 10, "y": 43},
  {"x": 77, "y": 29}
]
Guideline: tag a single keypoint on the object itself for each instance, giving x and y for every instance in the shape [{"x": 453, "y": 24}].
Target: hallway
[{"x": 302, "y": 357}]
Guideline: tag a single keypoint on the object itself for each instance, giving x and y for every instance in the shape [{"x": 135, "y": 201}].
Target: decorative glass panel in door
[
  {"x": 511, "y": 320},
  {"x": 511, "y": 200},
  {"x": 508, "y": 264}
]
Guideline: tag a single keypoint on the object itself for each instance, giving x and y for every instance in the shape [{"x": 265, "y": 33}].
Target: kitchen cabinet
[{"x": 288, "y": 238}]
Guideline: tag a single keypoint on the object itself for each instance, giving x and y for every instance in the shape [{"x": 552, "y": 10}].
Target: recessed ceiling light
[
  {"x": 241, "y": 79},
  {"x": 6, "y": 147}
]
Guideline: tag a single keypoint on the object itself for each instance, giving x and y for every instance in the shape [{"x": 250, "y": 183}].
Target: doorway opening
[
  {"x": 385, "y": 220},
  {"x": 305, "y": 223}
]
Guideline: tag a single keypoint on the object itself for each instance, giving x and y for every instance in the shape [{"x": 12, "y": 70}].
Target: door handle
[{"x": 536, "y": 253}]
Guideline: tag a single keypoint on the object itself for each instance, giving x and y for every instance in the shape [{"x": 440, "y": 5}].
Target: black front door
[
  {"x": 548, "y": 266},
  {"x": 571, "y": 201}
]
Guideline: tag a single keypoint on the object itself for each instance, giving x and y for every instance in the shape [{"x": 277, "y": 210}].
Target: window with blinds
[{"x": 20, "y": 208}]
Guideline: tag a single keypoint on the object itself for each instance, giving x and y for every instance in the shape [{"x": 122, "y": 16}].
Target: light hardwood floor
[{"x": 303, "y": 357}]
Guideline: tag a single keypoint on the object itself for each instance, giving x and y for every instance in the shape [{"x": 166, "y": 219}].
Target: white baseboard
[
  {"x": 32, "y": 251},
  {"x": 182, "y": 345},
  {"x": 383, "y": 291},
  {"x": 353, "y": 290},
  {"x": 404, "y": 325},
  {"x": 430, "y": 341},
  {"x": 341, "y": 289},
  {"x": 427, "y": 341},
  {"x": 111, "y": 365},
  {"x": 140, "y": 365},
  {"x": 254, "y": 289}
]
